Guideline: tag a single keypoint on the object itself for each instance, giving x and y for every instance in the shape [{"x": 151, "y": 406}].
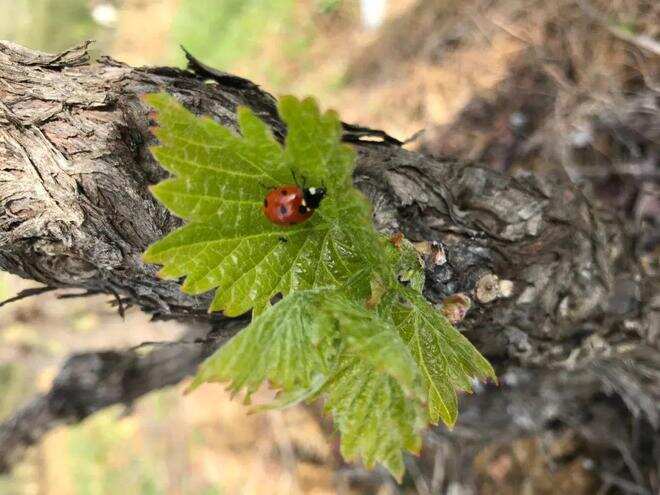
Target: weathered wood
[{"x": 561, "y": 305}]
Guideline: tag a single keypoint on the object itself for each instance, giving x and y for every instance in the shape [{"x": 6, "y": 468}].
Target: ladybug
[{"x": 290, "y": 205}]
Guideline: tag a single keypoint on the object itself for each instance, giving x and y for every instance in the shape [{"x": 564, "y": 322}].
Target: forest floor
[{"x": 516, "y": 85}]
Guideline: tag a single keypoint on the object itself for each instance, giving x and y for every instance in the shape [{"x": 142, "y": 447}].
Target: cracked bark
[{"x": 576, "y": 342}]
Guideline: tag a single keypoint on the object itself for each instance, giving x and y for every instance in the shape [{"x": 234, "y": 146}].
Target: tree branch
[
  {"x": 92, "y": 381},
  {"x": 558, "y": 293}
]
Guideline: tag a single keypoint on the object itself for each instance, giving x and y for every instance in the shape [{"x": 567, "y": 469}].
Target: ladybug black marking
[{"x": 313, "y": 197}]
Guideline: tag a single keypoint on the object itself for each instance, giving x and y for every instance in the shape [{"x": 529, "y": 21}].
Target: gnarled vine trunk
[{"x": 561, "y": 304}]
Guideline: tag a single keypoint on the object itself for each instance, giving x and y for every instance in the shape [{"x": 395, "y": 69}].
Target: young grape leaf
[
  {"x": 376, "y": 419},
  {"x": 290, "y": 345},
  {"x": 219, "y": 184},
  {"x": 407, "y": 263},
  {"x": 374, "y": 340},
  {"x": 302, "y": 337},
  {"x": 320, "y": 342},
  {"x": 352, "y": 326},
  {"x": 314, "y": 146},
  {"x": 446, "y": 359}
]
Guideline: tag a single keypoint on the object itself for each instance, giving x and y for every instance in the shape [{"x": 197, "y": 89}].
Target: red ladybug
[{"x": 289, "y": 204}]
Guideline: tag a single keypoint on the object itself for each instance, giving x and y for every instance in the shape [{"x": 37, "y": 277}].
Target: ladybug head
[{"x": 313, "y": 196}]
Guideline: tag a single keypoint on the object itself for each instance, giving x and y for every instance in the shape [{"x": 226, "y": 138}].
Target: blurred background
[{"x": 514, "y": 84}]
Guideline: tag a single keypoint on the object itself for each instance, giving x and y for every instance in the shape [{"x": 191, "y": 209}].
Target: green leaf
[
  {"x": 304, "y": 336},
  {"x": 374, "y": 416},
  {"x": 374, "y": 340},
  {"x": 220, "y": 182},
  {"x": 446, "y": 359},
  {"x": 319, "y": 341},
  {"x": 313, "y": 143},
  {"x": 291, "y": 346},
  {"x": 352, "y": 326},
  {"x": 408, "y": 264}
]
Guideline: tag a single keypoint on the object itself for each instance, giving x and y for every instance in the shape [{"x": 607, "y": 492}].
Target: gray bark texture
[{"x": 574, "y": 337}]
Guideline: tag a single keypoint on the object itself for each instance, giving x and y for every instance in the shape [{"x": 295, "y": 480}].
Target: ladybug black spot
[
  {"x": 284, "y": 192},
  {"x": 283, "y": 210},
  {"x": 265, "y": 203}
]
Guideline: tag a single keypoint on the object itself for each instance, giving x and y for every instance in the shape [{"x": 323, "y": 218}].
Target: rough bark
[{"x": 575, "y": 342}]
